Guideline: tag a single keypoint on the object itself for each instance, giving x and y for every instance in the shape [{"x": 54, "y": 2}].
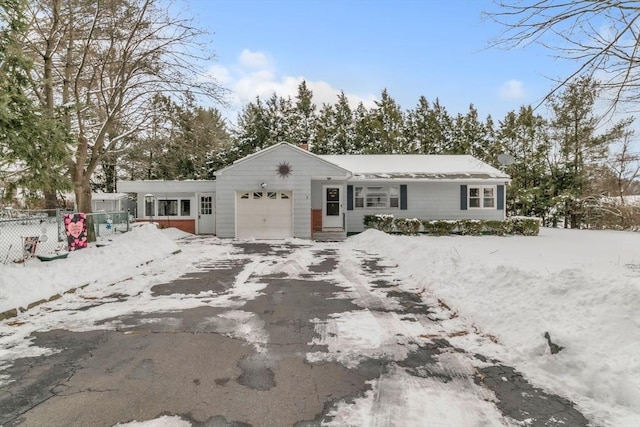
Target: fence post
[
  {"x": 60, "y": 223},
  {"x": 128, "y": 225}
]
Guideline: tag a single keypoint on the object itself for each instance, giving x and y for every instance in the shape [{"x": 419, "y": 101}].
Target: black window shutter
[
  {"x": 403, "y": 197},
  {"x": 463, "y": 197},
  {"x": 349, "y": 197},
  {"x": 500, "y": 203}
]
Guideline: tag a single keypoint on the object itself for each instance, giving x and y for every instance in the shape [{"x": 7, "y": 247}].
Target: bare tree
[
  {"x": 104, "y": 61},
  {"x": 603, "y": 37},
  {"x": 625, "y": 165}
]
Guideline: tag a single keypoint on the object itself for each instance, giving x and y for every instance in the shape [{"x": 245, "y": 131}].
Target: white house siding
[
  {"x": 250, "y": 173},
  {"x": 425, "y": 201}
]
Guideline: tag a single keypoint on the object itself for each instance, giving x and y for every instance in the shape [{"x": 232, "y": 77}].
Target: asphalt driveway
[{"x": 274, "y": 334}]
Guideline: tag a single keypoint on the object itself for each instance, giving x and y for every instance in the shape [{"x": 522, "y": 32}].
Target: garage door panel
[{"x": 262, "y": 215}]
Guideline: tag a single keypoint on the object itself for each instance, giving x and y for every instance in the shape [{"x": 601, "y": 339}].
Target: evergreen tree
[
  {"x": 576, "y": 146},
  {"x": 252, "y": 134},
  {"x": 524, "y": 136},
  {"x": 344, "y": 131},
  {"x": 363, "y": 136},
  {"x": 387, "y": 127},
  {"x": 278, "y": 115},
  {"x": 441, "y": 125},
  {"x": 475, "y": 135},
  {"x": 458, "y": 143},
  {"x": 32, "y": 140},
  {"x": 324, "y": 132},
  {"x": 493, "y": 145},
  {"x": 469, "y": 135},
  {"x": 418, "y": 132},
  {"x": 303, "y": 126}
]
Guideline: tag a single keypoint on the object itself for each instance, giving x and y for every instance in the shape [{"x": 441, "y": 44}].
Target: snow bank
[
  {"x": 583, "y": 287},
  {"x": 23, "y": 284}
]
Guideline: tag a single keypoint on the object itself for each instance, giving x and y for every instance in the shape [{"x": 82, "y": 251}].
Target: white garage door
[{"x": 263, "y": 215}]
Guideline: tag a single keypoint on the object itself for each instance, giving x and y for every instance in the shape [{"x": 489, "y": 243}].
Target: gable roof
[
  {"x": 393, "y": 166},
  {"x": 415, "y": 166},
  {"x": 280, "y": 146}
]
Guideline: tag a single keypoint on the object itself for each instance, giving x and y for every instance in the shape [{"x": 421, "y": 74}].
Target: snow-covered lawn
[{"x": 583, "y": 287}]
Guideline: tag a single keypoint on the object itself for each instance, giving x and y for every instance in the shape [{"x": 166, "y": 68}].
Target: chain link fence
[{"x": 27, "y": 233}]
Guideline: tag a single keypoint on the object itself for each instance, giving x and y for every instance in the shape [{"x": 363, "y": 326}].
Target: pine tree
[
  {"x": 32, "y": 140},
  {"x": 418, "y": 133},
  {"x": 303, "y": 126},
  {"x": 475, "y": 134},
  {"x": 576, "y": 146},
  {"x": 324, "y": 134},
  {"x": 524, "y": 136},
  {"x": 344, "y": 131},
  {"x": 441, "y": 125},
  {"x": 363, "y": 141},
  {"x": 252, "y": 133},
  {"x": 387, "y": 126}
]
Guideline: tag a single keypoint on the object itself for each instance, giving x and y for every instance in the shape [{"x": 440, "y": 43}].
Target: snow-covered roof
[
  {"x": 108, "y": 196},
  {"x": 171, "y": 186},
  {"x": 275, "y": 147},
  {"x": 415, "y": 166}
]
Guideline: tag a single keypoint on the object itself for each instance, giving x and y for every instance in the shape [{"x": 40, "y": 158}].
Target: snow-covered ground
[
  {"x": 33, "y": 280},
  {"x": 583, "y": 287}
]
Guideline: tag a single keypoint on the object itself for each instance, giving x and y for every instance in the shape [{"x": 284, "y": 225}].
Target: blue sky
[{"x": 439, "y": 49}]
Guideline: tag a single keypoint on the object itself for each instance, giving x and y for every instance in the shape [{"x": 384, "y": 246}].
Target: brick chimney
[{"x": 304, "y": 146}]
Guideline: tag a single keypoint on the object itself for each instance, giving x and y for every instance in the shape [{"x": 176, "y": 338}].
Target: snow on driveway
[{"x": 493, "y": 296}]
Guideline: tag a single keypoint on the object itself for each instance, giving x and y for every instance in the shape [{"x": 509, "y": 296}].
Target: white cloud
[
  {"x": 255, "y": 60},
  {"x": 512, "y": 90},
  {"x": 254, "y": 75},
  {"x": 220, "y": 73}
]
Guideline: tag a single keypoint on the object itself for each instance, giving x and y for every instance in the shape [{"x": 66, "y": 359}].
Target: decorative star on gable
[{"x": 284, "y": 170}]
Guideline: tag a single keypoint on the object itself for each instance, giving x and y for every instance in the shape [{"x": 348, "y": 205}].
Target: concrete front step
[{"x": 329, "y": 236}]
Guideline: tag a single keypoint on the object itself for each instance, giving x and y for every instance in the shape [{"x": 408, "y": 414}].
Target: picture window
[{"x": 377, "y": 197}]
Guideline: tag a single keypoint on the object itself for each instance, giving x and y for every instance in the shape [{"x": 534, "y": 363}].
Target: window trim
[
  {"x": 179, "y": 200},
  {"x": 481, "y": 198}
]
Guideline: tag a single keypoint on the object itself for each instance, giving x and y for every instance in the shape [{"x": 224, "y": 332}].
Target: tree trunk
[
  {"x": 50, "y": 202},
  {"x": 109, "y": 170},
  {"x": 82, "y": 190}
]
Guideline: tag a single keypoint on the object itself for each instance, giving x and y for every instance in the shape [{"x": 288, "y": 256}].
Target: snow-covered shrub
[
  {"x": 407, "y": 225},
  {"x": 382, "y": 222},
  {"x": 525, "y": 225},
  {"x": 499, "y": 228},
  {"x": 440, "y": 227},
  {"x": 612, "y": 213},
  {"x": 470, "y": 227}
]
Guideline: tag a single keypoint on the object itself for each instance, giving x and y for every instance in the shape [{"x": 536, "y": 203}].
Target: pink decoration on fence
[{"x": 76, "y": 229}]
